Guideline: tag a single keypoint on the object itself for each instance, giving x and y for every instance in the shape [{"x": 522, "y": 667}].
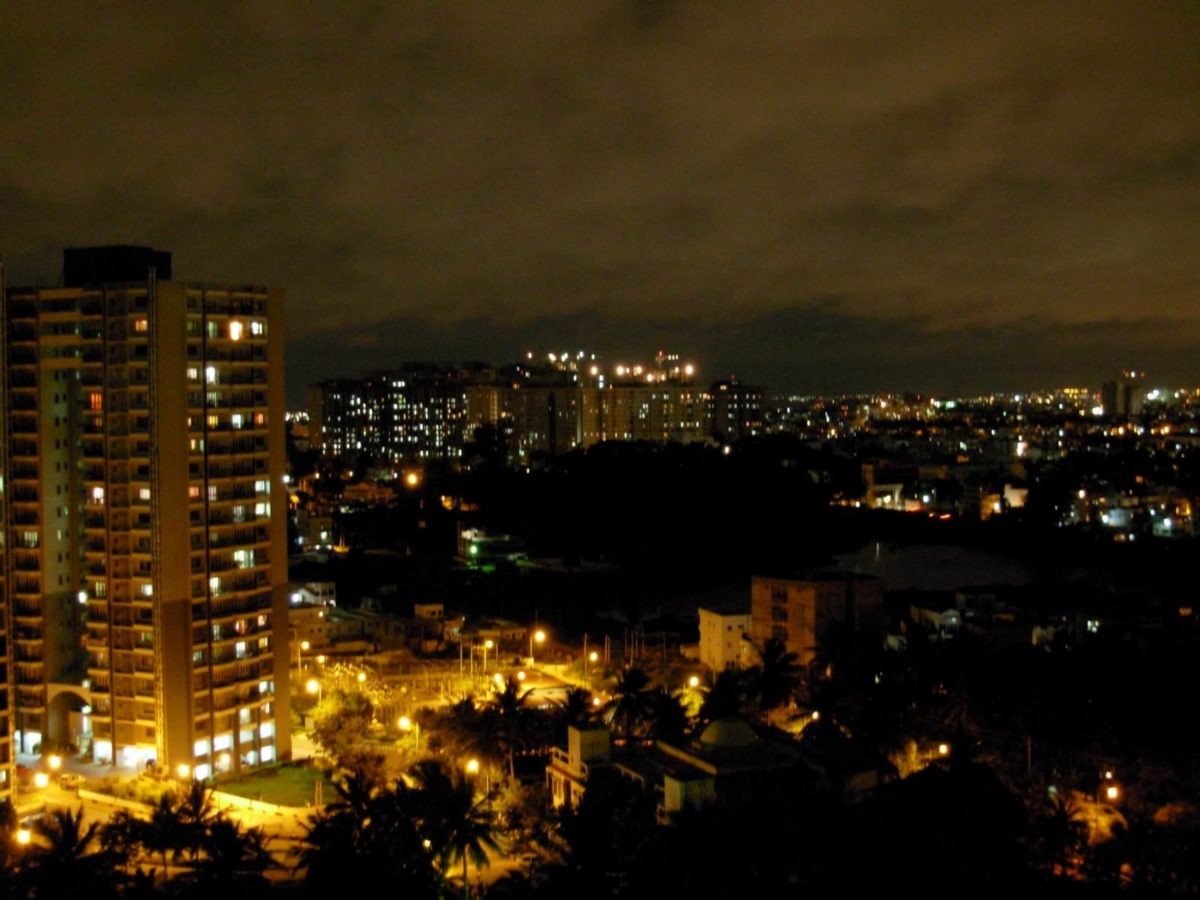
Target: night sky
[{"x": 820, "y": 195}]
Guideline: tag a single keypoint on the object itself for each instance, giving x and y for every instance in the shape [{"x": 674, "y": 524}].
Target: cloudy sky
[{"x": 819, "y": 195}]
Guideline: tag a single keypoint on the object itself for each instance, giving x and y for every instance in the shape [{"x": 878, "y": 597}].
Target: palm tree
[
  {"x": 630, "y": 708},
  {"x": 368, "y": 837},
  {"x": 668, "y": 715},
  {"x": 166, "y": 832},
  {"x": 8, "y": 858},
  {"x": 67, "y": 865},
  {"x": 576, "y": 707},
  {"x": 232, "y": 862},
  {"x": 470, "y": 828},
  {"x": 509, "y": 704},
  {"x": 724, "y": 698},
  {"x": 458, "y": 826},
  {"x": 776, "y": 678},
  {"x": 1061, "y": 834}
]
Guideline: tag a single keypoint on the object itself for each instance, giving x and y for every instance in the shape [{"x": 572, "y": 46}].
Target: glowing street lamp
[
  {"x": 406, "y": 725},
  {"x": 41, "y": 780},
  {"x": 313, "y": 687},
  {"x": 1112, "y": 792},
  {"x": 538, "y": 637},
  {"x": 472, "y": 766},
  {"x": 54, "y": 761},
  {"x": 184, "y": 771},
  {"x": 24, "y": 836},
  {"x": 361, "y": 677},
  {"x": 487, "y": 645},
  {"x": 694, "y": 681},
  {"x": 943, "y": 749},
  {"x": 301, "y": 649}
]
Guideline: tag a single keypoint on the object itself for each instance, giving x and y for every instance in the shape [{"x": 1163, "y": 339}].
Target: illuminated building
[
  {"x": 1124, "y": 396},
  {"x": 414, "y": 413},
  {"x": 7, "y": 754},
  {"x": 802, "y": 613},
  {"x": 725, "y": 639},
  {"x": 735, "y": 411},
  {"x": 145, "y": 528}
]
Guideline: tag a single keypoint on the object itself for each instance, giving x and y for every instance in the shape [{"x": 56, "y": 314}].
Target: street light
[
  {"x": 694, "y": 681},
  {"x": 54, "y": 761},
  {"x": 487, "y": 645},
  {"x": 24, "y": 836},
  {"x": 472, "y": 766},
  {"x": 539, "y": 637},
  {"x": 41, "y": 780},
  {"x": 407, "y": 724},
  {"x": 184, "y": 771},
  {"x": 361, "y": 677},
  {"x": 312, "y": 686},
  {"x": 300, "y": 649}
]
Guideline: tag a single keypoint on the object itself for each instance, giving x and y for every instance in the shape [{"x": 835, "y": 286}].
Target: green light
[{"x": 474, "y": 549}]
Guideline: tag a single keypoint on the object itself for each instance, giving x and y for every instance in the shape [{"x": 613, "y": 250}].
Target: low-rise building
[
  {"x": 725, "y": 640},
  {"x": 729, "y": 763}
]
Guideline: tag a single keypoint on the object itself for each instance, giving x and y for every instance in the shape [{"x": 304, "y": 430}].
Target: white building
[{"x": 725, "y": 640}]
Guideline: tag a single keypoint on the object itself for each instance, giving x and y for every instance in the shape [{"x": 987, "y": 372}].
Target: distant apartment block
[
  {"x": 416, "y": 413},
  {"x": 806, "y": 614}
]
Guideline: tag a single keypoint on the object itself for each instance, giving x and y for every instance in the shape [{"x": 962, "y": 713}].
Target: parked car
[{"x": 70, "y": 781}]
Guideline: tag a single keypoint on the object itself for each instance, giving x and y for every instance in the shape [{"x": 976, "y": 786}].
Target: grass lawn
[{"x": 285, "y": 785}]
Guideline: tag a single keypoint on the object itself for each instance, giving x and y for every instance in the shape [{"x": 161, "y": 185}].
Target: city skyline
[{"x": 919, "y": 197}]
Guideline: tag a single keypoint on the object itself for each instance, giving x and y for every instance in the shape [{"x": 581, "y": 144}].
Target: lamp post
[
  {"x": 539, "y": 637},
  {"x": 407, "y": 725},
  {"x": 300, "y": 648},
  {"x": 487, "y": 645},
  {"x": 313, "y": 687}
]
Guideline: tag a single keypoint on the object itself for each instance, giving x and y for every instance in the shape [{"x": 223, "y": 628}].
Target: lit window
[
  {"x": 194, "y": 491},
  {"x": 210, "y": 375},
  {"x": 141, "y": 326},
  {"x": 147, "y": 590},
  {"x": 143, "y": 493},
  {"x": 258, "y": 328},
  {"x": 97, "y": 495},
  {"x": 95, "y": 401},
  {"x": 214, "y": 585},
  {"x": 235, "y": 331}
]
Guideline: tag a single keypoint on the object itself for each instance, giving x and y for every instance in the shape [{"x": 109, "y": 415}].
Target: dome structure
[{"x": 728, "y": 733}]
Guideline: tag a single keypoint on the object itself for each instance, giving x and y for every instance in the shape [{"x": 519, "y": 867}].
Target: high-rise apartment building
[
  {"x": 7, "y": 750},
  {"x": 416, "y": 413},
  {"x": 145, "y": 564}
]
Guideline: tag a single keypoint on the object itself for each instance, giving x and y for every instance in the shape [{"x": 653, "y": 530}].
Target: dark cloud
[{"x": 449, "y": 178}]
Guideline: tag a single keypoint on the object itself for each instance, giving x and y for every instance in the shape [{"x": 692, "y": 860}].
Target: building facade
[
  {"x": 417, "y": 413},
  {"x": 805, "y": 613},
  {"x": 7, "y": 749},
  {"x": 145, "y": 529},
  {"x": 725, "y": 640}
]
